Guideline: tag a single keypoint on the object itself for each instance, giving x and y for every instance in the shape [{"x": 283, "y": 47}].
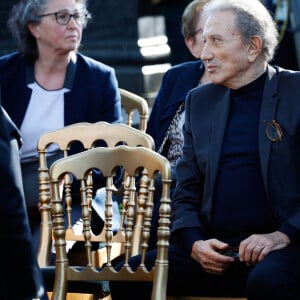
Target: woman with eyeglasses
[{"x": 48, "y": 84}]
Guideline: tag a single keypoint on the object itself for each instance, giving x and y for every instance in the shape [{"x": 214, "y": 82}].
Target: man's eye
[{"x": 216, "y": 40}]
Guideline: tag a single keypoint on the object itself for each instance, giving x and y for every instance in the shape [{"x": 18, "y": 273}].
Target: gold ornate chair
[
  {"x": 87, "y": 134},
  {"x": 131, "y": 103},
  {"x": 136, "y": 214}
]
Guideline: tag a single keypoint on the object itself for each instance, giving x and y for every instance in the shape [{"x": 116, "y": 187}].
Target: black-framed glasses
[
  {"x": 63, "y": 18},
  {"x": 273, "y": 131}
]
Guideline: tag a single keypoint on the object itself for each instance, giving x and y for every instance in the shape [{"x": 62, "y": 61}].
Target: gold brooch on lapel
[{"x": 273, "y": 131}]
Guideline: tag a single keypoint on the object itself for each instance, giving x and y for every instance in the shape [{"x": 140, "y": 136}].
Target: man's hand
[
  {"x": 257, "y": 246},
  {"x": 206, "y": 253}
]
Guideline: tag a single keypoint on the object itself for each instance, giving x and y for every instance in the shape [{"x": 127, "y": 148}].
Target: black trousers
[{"x": 277, "y": 277}]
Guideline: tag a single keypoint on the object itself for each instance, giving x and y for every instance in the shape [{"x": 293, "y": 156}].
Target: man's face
[{"x": 225, "y": 53}]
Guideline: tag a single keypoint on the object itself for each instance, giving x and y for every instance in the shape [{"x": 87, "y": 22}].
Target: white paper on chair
[{"x": 98, "y": 205}]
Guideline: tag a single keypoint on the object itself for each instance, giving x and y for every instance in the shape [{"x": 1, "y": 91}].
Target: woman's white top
[{"x": 45, "y": 112}]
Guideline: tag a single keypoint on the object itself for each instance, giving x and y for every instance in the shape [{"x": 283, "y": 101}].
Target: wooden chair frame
[
  {"x": 87, "y": 134},
  {"x": 132, "y": 102},
  {"x": 134, "y": 160}
]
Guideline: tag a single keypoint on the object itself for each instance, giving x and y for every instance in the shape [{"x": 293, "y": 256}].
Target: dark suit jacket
[
  {"x": 20, "y": 277},
  {"x": 207, "y": 109},
  {"x": 93, "y": 97}
]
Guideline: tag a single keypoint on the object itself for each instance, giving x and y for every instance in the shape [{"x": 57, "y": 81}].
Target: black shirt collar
[{"x": 253, "y": 87}]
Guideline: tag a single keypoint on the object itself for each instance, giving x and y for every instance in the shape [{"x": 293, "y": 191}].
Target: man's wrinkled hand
[
  {"x": 257, "y": 246},
  {"x": 207, "y": 254}
]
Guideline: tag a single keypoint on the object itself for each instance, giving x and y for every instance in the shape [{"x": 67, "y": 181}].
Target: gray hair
[
  {"x": 191, "y": 16},
  {"x": 252, "y": 18},
  {"x": 27, "y": 12}
]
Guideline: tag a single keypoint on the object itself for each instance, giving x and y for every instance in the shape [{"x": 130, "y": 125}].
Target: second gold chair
[{"x": 87, "y": 134}]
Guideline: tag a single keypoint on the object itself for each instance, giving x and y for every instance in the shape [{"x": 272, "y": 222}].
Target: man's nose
[{"x": 204, "y": 53}]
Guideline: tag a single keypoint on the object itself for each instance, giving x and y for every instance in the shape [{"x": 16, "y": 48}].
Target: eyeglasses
[
  {"x": 63, "y": 18},
  {"x": 273, "y": 131}
]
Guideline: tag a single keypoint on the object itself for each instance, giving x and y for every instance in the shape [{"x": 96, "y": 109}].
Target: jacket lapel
[
  {"x": 268, "y": 109},
  {"x": 221, "y": 113}
]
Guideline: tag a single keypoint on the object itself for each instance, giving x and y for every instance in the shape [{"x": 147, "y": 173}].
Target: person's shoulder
[
  {"x": 181, "y": 72},
  {"x": 207, "y": 93},
  {"x": 284, "y": 76},
  {"x": 10, "y": 59},
  {"x": 91, "y": 63},
  {"x": 205, "y": 97},
  {"x": 282, "y": 71},
  {"x": 186, "y": 66},
  {"x": 11, "y": 65},
  {"x": 208, "y": 88}
]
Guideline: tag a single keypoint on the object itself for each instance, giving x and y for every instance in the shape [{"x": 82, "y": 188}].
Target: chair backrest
[
  {"x": 137, "y": 213},
  {"x": 133, "y": 103},
  {"x": 87, "y": 134}
]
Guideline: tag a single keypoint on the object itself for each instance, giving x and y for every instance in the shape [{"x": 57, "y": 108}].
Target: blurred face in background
[{"x": 195, "y": 42}]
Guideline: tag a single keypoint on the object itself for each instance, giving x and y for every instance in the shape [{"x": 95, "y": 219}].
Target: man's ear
[
  {"x": 190, "y": 43},
  {"x": 255, "y": 48}
]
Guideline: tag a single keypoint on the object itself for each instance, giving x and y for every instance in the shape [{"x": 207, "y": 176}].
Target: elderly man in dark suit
[
  {"x": 236, "y": 206},
  {"x": 238, "y": 180},
  {"x": 20, "y": 277}
]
